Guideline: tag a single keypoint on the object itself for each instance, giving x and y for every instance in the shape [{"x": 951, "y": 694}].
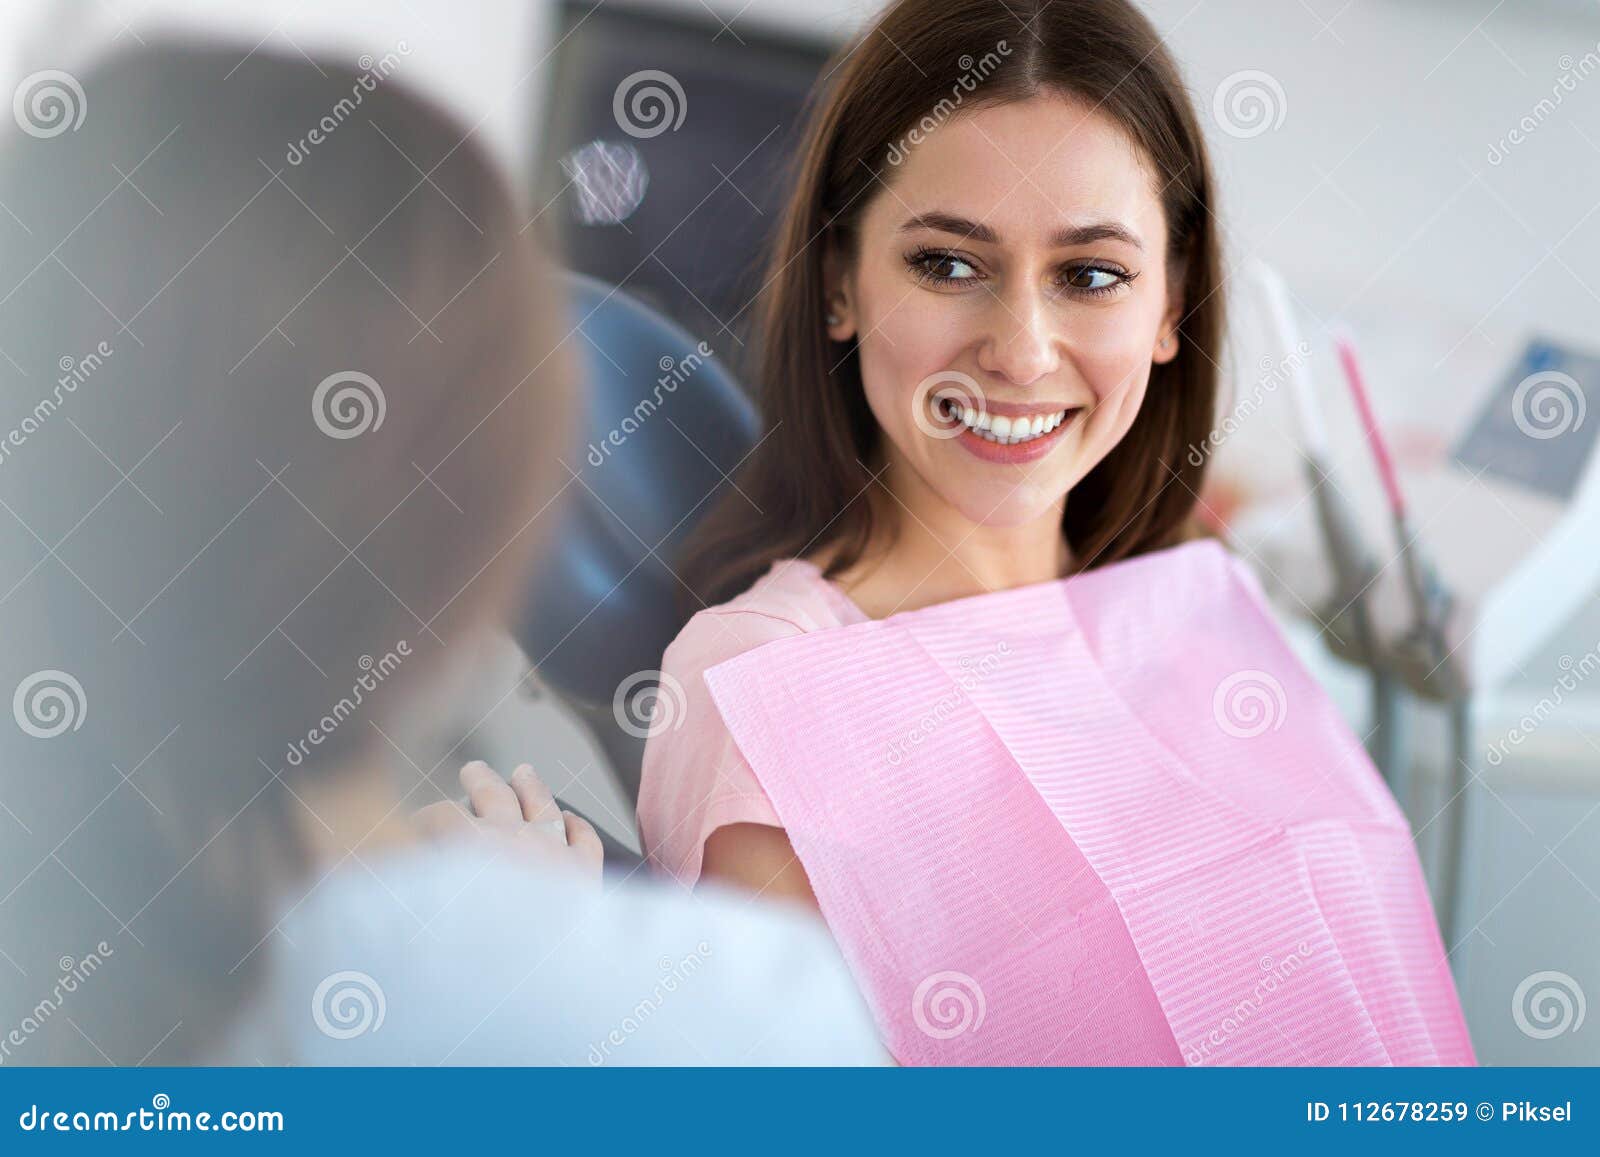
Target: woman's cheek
[
  {"x": 898, "y": 351},
  {"x": 1112, "y": 357},
  {"x": 888, "y": 395},
  {"x": 1115, "y": 413}
]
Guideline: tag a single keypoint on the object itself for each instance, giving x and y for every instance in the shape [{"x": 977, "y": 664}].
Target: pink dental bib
[{"x": 1103, "y": 820}]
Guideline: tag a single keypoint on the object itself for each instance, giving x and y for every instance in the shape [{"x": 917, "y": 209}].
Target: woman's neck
[{"x": 928, "y": 552}]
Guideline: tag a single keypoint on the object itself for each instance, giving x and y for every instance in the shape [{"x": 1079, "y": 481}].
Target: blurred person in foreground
[{"x": 283, "y": 416}]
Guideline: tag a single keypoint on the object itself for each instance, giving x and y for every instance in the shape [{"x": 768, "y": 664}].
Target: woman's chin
[{"x": 1020, "y": 505}]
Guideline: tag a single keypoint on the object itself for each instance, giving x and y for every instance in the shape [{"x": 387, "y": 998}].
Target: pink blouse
[{"x": 694, "y": 779}]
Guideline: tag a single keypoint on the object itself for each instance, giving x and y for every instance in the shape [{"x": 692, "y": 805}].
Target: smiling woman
[
  {"x": 988, "y": 344},
  {"x": 1052, "y": 241},
  {"x": 985, "y": 352}
]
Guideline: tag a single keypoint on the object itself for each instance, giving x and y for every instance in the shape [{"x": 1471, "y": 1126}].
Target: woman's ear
[
  {"x": 838, "y": 306},
  {"x": 1167, "y": 334}
]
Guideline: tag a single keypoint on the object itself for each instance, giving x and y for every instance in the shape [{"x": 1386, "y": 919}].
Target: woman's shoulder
[{"x": 791, "y": 598}]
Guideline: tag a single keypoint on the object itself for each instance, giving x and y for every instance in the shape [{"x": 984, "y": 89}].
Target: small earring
[
  {"x": 831, "y": 318},
  {"x": 1166, "y": 343}
]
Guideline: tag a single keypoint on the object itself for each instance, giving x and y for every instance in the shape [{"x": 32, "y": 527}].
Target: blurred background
[{"x": 1422, "y": 174}]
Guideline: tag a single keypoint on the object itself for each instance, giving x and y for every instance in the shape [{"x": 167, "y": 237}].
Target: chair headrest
[{"x": 662, "y": 425}]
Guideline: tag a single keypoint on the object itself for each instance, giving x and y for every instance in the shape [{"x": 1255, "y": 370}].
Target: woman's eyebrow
[{"x": 1070, "y": 235}]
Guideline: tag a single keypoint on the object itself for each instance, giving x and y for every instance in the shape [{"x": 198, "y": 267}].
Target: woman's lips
[{"x": 1018, "y": 452}]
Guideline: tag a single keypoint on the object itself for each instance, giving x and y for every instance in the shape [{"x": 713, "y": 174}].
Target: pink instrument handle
[{"x": 1369, "y": 423}]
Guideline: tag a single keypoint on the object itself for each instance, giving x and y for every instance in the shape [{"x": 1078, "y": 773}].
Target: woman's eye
[
  {"x": 1094, "y": 279},
  {"x": 954, "y": 269},
  {"x": 943, "y": 267}
]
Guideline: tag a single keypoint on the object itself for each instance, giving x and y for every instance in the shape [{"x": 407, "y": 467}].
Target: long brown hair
[{"x": 802, "y": 487}]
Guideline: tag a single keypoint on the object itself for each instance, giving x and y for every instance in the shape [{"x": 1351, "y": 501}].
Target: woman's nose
[{"x": 1022, "y": 344}]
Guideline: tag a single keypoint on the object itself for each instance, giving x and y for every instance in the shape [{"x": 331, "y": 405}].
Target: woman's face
[{"x": 1008, "y": 296}]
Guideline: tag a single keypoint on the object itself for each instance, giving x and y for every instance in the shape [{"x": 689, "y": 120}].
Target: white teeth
[{"x": 1008, "y": 431}]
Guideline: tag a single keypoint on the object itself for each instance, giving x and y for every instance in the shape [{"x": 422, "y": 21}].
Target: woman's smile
[{"x": 1007, "y": 433}]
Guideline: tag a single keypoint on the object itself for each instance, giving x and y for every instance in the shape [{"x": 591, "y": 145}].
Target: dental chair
[{"x": 650, "y": 459}]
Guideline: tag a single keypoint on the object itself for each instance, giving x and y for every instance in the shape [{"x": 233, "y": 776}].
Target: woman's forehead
[{"x": 1027, "y": 170}]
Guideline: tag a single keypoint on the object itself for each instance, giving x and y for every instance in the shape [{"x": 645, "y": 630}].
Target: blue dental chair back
[{"x": 660, "y": 431}]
